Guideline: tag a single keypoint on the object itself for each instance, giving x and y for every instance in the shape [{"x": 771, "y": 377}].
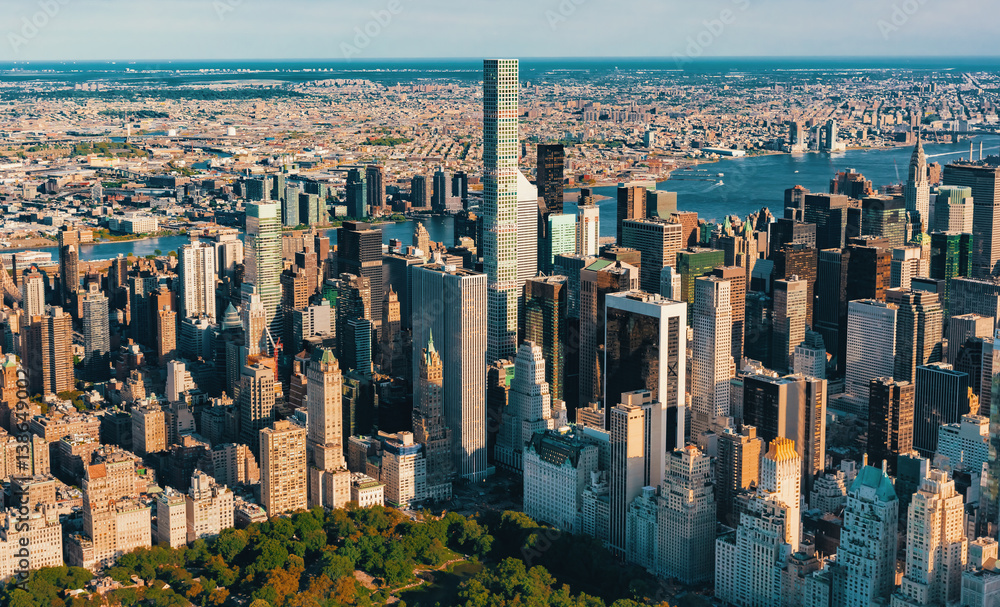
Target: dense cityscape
[{"x": 444, "y": 336}]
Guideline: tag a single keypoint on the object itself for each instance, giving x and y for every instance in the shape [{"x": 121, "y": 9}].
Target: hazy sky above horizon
[{"x": 35, "y": 30}]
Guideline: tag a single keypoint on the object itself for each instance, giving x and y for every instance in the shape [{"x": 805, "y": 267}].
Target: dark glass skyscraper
[
  {"x": 359, "y": 252},
  {"x": 551, "y": 158},
  {"x": 357, "y": 196}
]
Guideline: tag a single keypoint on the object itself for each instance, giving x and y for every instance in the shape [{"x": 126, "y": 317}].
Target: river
[{"x": 749, "y": 184}]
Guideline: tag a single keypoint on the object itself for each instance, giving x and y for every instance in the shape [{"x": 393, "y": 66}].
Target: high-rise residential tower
[
  {"x": 263, "y": 260},
  {"x": 588, "y": 229},
  {"x": 96, "y": 336},
  {"x": 283, "y": 468},
  {"x": 197, "y": 272},
  {"x": 500, "y": 197}
]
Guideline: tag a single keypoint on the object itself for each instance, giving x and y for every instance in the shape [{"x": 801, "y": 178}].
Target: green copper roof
[
  {"x": 600, "y": 264},
  {"x": 874, "y": 478}
]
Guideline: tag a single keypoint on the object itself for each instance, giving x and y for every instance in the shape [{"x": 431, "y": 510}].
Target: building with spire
[
  {"x": 329, "y": 479},
  {"x": 529, "y": 408},
  {"x": 429, "y": 427},
  {"x": 917, "y": 191}
]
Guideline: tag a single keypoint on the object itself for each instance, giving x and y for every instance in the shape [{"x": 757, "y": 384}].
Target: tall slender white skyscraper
[
  {"x": 588, "y": 229},
  {"x": 263, "y": 259},
  {"x": 500, "y": 208},
  {"x": 712, "y": 353},
  {"x": 197, "y": 277},
  {"x": 33, "y": 294}
]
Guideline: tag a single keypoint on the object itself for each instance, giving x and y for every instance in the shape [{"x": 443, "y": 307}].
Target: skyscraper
[
  {"x": 686, "y": 518},
  {"x": 919, "y": 325},
  {"x": 884, "y": 217},
  {"x": 559, "y": 238},
  {"x": 917, "y": 192},
  {"x": 781, "y": 480},
  {"x": 197, "y": 273},
  {"x": 96, "y": 337},
  {"x": 646, "y": 349},
  {"x": 658, "y": 241},
  {"x": 588, "y": 229},
  {"x": 791, "y": 298},
  {"x": 529, "y": 407},
  {"x": 420, "y": 192},
  {"x": 792, "y": 407},
  {"x": 942, "y": 397},
  {"x": 951, "y": 257},
  {"x": 33, "y": 294},
  {"x": 984, "y": 182},
  {"x": 356, "y": 193},
  {"x": 439, "y": 200},
  {"x": 69, "y": 263},
  {"x": 695, "y": 262},
  {"x": 283, "y": 468},
  {"x": 328, "y": 478},
  {"x": 871, "y": 348},
  {"x": 711, "y": 352},
  {"x": 551, "y": 158},
  {"x": 545, "y": 300},
  {"x": 737, "y": 468},
  {"x": 429, "y": 426},
  {"x": 631, "y": 205},
  {"x": 936, "y": 546},
  {"x": 359, "y": 252},
  {"x": 450, "y": 303},
  {"x": 737, "y": 278},
  {"x": 500, "y": 203},
  {"x": 597, "y": 280},
  {"x": 954, "y": 210},
  {"x": 263, "y": 260},
  {"x": 374, "y": 186},
  {"x": 256, "y": 406},
  {"x": 866, "y": 559},
  {"x": 637, "y": 457},
  {"x": 48, "y": 352},
  {"x": 890, "y": 420}
]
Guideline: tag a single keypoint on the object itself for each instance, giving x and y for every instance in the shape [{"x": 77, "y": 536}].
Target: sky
[{"x": 65, "y": 30}]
